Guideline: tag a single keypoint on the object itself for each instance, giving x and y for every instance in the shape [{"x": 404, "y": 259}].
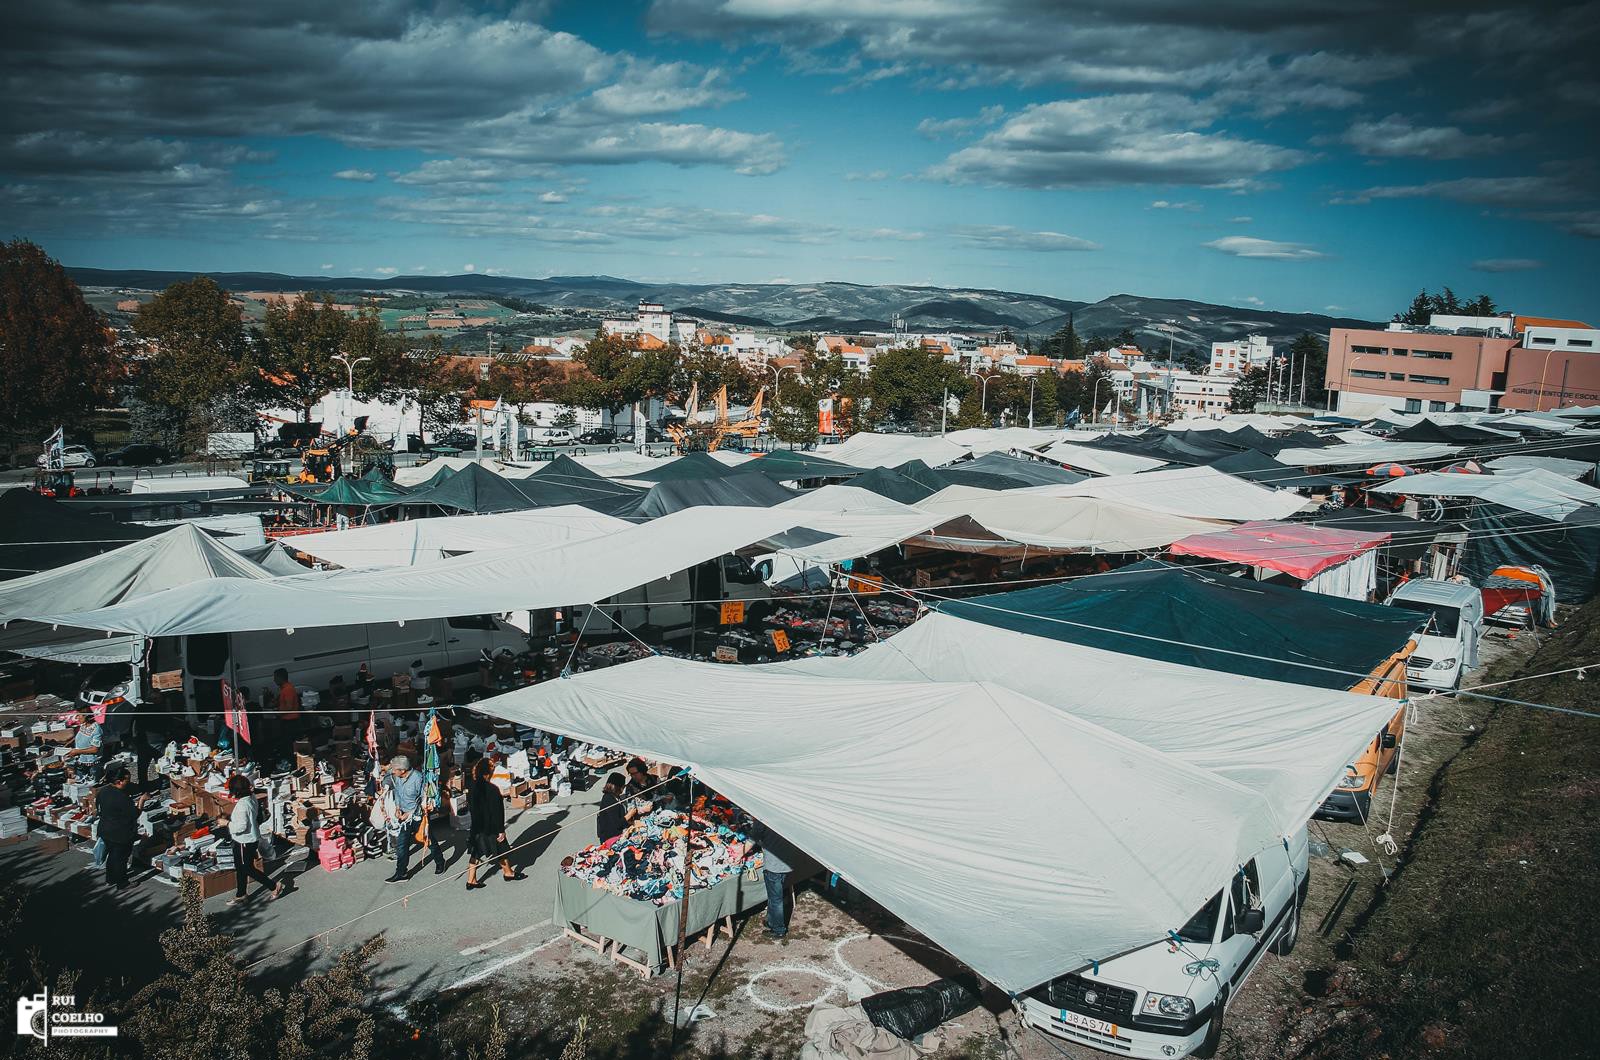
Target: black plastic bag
[{"x": 915, "y": 1010}]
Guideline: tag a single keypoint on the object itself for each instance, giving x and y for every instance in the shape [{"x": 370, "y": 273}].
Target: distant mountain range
[{"x": 834, "y": 307}]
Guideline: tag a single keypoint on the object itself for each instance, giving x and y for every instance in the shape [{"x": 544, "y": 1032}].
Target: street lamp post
[
  {"x": 350, "y": 379},
  {"x": 1032, "y": 380},
  {"x": 1345, "y": 383}
]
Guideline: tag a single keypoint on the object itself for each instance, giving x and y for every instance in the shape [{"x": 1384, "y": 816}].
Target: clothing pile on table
[
  {"x": 599, "y": 656},
  {"x": 645, "y": 862},
  {"x": 891, "y": 613},
  {"x": 812, "y": 626}
]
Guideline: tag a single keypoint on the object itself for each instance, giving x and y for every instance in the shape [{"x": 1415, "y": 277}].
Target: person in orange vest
[{"x": 289, "y": 724}]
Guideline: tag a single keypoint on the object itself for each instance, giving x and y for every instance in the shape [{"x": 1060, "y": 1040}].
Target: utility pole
[
  {"x": 944, "y": 411},
  {"x": 1031, "y": 381}
]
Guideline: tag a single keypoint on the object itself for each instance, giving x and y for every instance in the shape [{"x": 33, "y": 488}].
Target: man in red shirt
[{"x": 288, "y": 710}]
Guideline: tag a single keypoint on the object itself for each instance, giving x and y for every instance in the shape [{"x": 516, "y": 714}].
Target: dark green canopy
[
  {"x": 752, "y": 491},
  {"x": 1013, "y": 471},
  {"x": 353, "y": 492},
  {"x": 1159, "y": 611},
  {"x": 888, "y": 482},
  {"x": 790, "y": 465},
  {"x": 473, "y": 488},
  {"x": 687, "y": 466}
]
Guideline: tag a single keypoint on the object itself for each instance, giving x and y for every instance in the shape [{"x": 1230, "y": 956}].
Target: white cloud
[
  {"x": 325, "y": 268},
  {"x": 386, "y": 270},
  {"x": 1251, "y": 299},
  {"x": 873, "y": 175},
  {"x": 1163, "y": 204},
  {"x": 1507, "y": 264},
  {"x": 552, "y": 197},
  {"x": 363, "y": 175},
  {"x": 1396, "y": 137},
  {"x": 1241, "y": 220},
  {"x": 1006, "y": 237},
  {"x": 469, "y": 268},
  {"x": 1250, "y": 247},
  {"x": 1145, "y": 138}
]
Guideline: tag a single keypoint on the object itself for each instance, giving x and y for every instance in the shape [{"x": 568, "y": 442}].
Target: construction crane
[{"x": 694, "y": 434}]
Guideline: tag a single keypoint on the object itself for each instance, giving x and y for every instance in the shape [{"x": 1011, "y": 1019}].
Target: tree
[
  {"x": 294, "y": 359},
  {"x": 711, "y": 371},
  {"x": 617, "y": 373},
  {"x": 1011, "y": 393},
  {"x": 1251, "y": 388},
  {"x": 195, "y": 362},
  {"x": 907, "y": 385},
  {"x": 1420, "y": 310},
  {"x": 1481, "y": 306},
  {"x": 1425, "y": 305},
  {"x": 57, "y": 359}
]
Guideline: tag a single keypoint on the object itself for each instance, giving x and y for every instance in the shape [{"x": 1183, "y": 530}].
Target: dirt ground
[{"x": 755, "y": 994}]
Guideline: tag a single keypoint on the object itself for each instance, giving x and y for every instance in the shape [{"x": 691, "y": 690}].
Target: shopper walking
[
  {"x": 404, "y": 785},
  {"x": 486, "y": 839},
  {"x": 244, "y": 827},
  {"x": 119, "y": 818}
]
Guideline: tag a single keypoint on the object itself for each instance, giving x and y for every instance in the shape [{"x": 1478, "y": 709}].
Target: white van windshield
[
  {"x": 1446, "y": 619},
  {"x": 1202, "y": 927}
]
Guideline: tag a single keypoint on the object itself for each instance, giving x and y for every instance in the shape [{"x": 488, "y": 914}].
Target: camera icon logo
[{"x": 33, "y": 1016}]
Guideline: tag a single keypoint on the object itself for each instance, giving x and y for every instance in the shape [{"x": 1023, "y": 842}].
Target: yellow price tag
[{"x": 732, "y": 612}]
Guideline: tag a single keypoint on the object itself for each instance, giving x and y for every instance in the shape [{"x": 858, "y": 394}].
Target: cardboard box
[
  {"x": 49, "y": 844},
  {"x": 211, "y": 883}
]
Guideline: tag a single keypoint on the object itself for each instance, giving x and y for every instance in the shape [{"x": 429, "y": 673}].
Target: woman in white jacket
[{"x": 244, "y": 825}]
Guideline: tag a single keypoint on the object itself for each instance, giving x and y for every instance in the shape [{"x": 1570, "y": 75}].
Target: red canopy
[{"x": 1296, "y": 549}]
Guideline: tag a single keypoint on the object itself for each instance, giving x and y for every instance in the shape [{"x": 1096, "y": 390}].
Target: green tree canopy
[
  {"x": 1251, "y": 388},
  {"x": 196, "y": 360},
  {"x": 907, "y": 385},
  {"x": 57, "y": 359}
]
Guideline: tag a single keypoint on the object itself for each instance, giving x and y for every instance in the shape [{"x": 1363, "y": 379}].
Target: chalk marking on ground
[
  {"x": 471, "y": 951},
  {"x": 482, "y": 974},
  {"x": 836, "y": 983}
]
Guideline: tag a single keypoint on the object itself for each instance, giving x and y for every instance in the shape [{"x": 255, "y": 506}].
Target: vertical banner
[{"x": 825, "y": 416}]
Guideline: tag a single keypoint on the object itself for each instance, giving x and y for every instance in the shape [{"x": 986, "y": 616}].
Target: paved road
[{"x": 440, "y": 937}]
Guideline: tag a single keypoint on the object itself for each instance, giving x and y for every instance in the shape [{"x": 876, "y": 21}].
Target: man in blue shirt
[
  {"x": 85, "y": 753},
  {"x": 405, "y": 784}
]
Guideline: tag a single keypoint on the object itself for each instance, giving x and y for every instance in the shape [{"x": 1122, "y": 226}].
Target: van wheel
[
  {"x": 1213, "y": 1039},
  {"x": 1283, "y": 945}
]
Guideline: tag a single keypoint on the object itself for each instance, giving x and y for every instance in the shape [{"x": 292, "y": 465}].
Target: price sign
[
  {"x": 780, "y": 640},
  {"x": 732, "y": 612}
]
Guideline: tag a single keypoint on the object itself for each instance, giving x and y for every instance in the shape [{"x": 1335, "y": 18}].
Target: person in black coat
[
  {"x": 119, "y": 824},
  {"x": 609, "y": 821},
  {"x": 486, "y": 838}
]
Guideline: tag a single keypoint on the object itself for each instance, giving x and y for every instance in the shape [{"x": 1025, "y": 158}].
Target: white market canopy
[
  {"x": 1023, "y": 839},
  {"x": 1287, "y": 742},
  {"x": 1074, "y": 523},
  {"x": 1364, "y": 454},
  {"x": 982, "y": 440},
  {"x": 1531, "y": 490},
  {"x": 413, "y": 541},
  {"x": 1196, "y": 492},
  {"x": 184, "y": 555},
  {"x": 1099, "y": 461},
  {"x": 867, "y": 450},
  {"x": 501, "y": 580}
]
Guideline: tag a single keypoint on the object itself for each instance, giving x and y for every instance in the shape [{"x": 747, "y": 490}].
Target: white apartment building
[
  {"x": 1232, "y": 358},
  {"x": 1184, "y": 394},
  {"x": 651, "y": 318}
]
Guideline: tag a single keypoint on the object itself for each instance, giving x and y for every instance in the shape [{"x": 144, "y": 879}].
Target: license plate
[{"x": 1088, "y": 1023}]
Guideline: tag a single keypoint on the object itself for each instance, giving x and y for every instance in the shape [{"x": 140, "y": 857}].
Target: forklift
[{"x": 322, "y": 458}]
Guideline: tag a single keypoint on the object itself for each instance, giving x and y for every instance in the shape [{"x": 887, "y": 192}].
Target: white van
[
  {"x": 662, "y": 607},
  {"x": 1170, "y": 998},
  {"x": 313, "y": 655},
  {"x": 1448, "y": 646}
]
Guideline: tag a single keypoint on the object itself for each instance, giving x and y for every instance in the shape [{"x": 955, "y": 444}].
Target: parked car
[
  {"x": 1164, "y": 1000},
  {"x": 136, "y": 454},
  {"x": 456, "y": 439},
  {"x": 598, "y": 436},
  {"x": 551, "y": 436},
  {"x": 1352, "y": 799},
  {"x": 1448, "y": 646},
  {"x": 71, "y": 456}
]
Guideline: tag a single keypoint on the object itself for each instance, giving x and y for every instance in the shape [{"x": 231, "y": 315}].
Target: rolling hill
[{"x": 830, "y": 306}]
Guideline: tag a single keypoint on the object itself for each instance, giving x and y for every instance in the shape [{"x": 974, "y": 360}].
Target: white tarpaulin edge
[{"x": 1023, "y": 840}]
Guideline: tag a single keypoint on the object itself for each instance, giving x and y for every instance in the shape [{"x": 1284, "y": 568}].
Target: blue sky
[{"x": 1320, "y": 156}]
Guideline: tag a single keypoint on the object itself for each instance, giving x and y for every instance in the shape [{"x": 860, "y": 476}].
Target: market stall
[{"x": 625, "y": 897}]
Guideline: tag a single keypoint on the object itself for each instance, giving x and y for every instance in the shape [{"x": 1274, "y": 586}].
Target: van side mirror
[
  {"x": 1387, "y": 740},
  {"x": 1249, "y": 921}
]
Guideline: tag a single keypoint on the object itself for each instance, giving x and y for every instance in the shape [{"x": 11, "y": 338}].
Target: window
[
  {"x": 1431, "y": 380},
  {"x": 1244, "y": 893},
  {"x": 1446, "y": 620},
  {"x": 1369, "y": 349},
  {"x": 1400, "y": 353},
  {"x": 1437, "y": 355},
  {"x": 1362, "y": 373},
  {"x": 1584, "y": 343},
  {"x": 1436, "y": 406},
  {"x": 471, "y": 622},
  {"x": 1202, "y": 927},
  {"x": 1413, "y": 404},
  {"x": 1545, "y": 340},
  {"x": 1397, "y": 375}
]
